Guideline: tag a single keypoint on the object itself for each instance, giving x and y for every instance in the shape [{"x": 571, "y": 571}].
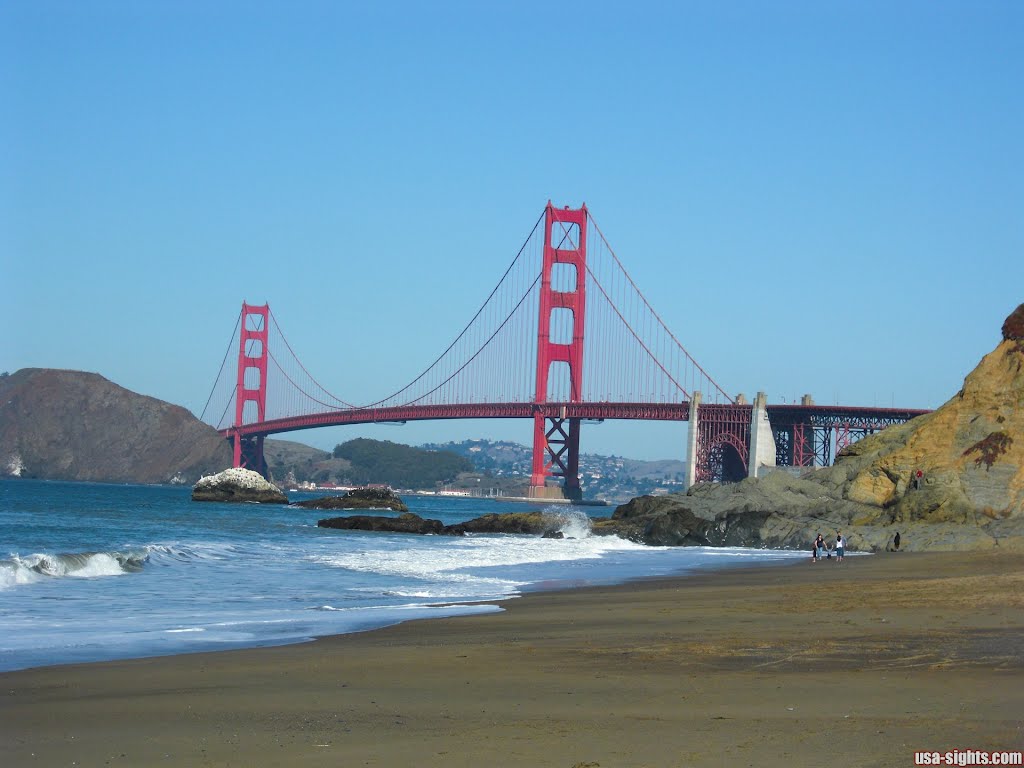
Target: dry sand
[{"x": 854, "y": 665}]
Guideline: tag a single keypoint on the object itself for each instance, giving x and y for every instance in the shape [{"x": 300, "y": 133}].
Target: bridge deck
[{"x": 779, "y": 415}]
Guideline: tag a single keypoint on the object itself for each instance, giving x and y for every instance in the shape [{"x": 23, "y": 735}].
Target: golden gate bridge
[{"x": 564, "y": 338}]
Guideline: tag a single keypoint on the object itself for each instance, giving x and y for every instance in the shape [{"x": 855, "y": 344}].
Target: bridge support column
[
  {"x": 802, "y": 446},
  {"x": 691, "y": 440},
  {"x": 251, "y": 386},
  {"x": 249, "y": 454},
  {"x": 762, "y": 441},
  {"x": 556, "y": 448},
  {"x": 559, "y": 456}
]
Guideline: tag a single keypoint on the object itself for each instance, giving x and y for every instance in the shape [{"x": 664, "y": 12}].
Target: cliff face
[
  {"x": 970, "y": 492},
  {"x": 72, "y": 425},
  {"x": 970, "y": 452}
]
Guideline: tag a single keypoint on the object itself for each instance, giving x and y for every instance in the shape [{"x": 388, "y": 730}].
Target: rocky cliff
[
  {"x": 970, "y": 452},
  {"x": 72, "y": 425},
  {"x": 969, "y": 493}
]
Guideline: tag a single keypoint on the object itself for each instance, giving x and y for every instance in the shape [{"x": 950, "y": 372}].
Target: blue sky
[{"x": 816, "y": 197}]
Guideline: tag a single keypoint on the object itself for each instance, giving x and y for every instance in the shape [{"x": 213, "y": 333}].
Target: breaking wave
[
  {"x": 571, "y": 523},
  {"x": 27, "y": 569}
]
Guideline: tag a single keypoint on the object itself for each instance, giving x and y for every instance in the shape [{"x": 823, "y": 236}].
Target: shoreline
[
  {"x": 445, "y": 609},
  {"x": 759, "y": 663}
]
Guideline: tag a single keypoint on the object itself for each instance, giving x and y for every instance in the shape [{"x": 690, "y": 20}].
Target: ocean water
[{"x": 92, "y": 572}]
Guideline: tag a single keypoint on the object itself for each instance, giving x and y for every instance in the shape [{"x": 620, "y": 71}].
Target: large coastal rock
[
  {"x": 969, "y": 493},
  {"x": 358, "y": 498},
  {"x": 238, "y": 485},
  {"x": 670, "y": 521}
]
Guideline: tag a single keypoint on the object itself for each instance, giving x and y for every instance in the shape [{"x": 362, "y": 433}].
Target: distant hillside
[
  {"x": 72, "y": 425},
  {"x": 609, "y": 477},
  {"x": 302, "y": 461},
  {"x": 493, "y": 457}
]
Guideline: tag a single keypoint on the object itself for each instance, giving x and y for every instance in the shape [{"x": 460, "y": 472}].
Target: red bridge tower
[
  {"x": 251, "y": 387},
  {"x": 556, "y": 439}
]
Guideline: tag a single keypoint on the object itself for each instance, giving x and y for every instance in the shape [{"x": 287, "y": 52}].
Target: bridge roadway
[{"x": 854, "y": 416}]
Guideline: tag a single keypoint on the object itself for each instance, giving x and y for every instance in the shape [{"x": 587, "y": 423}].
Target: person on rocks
[{"x": 896, "y": 542}]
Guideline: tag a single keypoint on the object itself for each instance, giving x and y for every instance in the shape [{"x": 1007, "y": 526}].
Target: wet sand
[{"x": 859, "y": 664}]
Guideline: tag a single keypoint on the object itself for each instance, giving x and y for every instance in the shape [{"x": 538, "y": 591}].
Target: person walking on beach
[
  {"x": 840, "y": 546},
  {"x": 817, "y": 548},
  {"x": 896, "y": 542}
]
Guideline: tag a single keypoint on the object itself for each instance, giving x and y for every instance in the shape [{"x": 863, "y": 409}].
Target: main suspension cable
[
  {"x": 468, "y": 325},
  {"x": 656, "y": 315},
  {"x": 223, "y": 362}
]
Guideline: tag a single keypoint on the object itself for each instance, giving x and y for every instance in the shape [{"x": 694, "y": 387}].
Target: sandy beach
[{"x": 856, "y": 664}]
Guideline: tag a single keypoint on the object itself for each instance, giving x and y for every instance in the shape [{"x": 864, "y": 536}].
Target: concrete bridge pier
[
  {"x": 762, "y": 451},
  {"x": 691, "y": 450}
]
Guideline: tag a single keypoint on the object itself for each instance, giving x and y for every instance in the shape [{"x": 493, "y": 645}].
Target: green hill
[{"x": 381, "y": 461}]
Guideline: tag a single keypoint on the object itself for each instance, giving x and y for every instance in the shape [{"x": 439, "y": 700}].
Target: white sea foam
[
  {"x": 99, "y": 564},
  {"x": 748, "y": 554},
  {"x": 571, "y": 523},
  {"x": 438, "y": 568},
  {"x": 14, "y": 572}
]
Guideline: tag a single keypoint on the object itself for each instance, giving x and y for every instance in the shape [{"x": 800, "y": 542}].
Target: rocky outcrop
[
  {"x": 951, "y": 479},
  {"x": 358, "y": 498},
  {"x": 407, "y": 523},
  {"x": 73, "y": 425},
  {"x": 238, "y": 485},
  {"x": 668, "y": 521},
  {"x": 535, "y": 523}
]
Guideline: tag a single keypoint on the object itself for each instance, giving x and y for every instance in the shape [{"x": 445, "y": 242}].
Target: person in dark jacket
[{"x": 818, "y": 548}]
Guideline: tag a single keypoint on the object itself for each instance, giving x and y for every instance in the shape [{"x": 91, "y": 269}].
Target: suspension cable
[
  {"x": 223, "y": 362},
  {"x": 482, "y": 346},
  {"x": 302, "y": 391},
  {"x": 635, "y": 336},
  {"x": 311, "y": 377},
  {"x": 468, "y": 325},
  {"x": 656, "y": 315}
]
